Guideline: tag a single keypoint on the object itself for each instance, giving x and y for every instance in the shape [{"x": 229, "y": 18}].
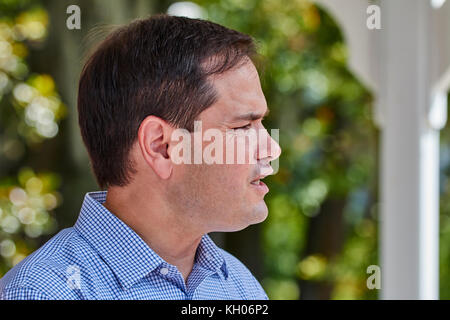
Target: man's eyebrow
[{"x": 251, "y": 116}]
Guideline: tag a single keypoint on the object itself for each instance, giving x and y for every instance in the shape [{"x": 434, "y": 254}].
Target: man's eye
[{"x": 244, "y": 127}]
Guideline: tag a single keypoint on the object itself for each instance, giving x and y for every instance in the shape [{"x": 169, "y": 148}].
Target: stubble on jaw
[{"x": 206, "y": 196}]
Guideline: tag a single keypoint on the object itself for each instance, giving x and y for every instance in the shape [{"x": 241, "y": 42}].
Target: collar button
[{"x": 164, "y": 271}]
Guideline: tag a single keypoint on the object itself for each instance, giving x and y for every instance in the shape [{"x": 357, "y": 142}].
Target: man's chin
[
  {"x": 258, "y": 215},
  {"x": 261, "y": 212}
]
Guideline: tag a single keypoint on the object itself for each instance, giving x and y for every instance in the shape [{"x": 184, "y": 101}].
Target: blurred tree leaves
[
  {"x": 30, "y": 110},
  {"x": 444, "y": 223}
]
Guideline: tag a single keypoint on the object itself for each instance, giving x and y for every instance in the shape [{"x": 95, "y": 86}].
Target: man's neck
[{"x": 163, "y": 231}]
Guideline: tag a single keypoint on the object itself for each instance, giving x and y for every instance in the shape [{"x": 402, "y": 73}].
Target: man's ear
[{"x": 154, "y": 137}]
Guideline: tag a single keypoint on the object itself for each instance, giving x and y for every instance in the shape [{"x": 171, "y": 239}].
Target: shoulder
[
  {"x": 243, "y": 277},
  {"x": 44, "y": 274}
]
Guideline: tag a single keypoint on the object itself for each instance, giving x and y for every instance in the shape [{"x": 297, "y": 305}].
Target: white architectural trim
[{"x": 404, "y": 59}]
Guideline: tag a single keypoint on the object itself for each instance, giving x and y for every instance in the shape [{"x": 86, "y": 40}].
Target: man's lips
[{"x": 260, "y": 186}]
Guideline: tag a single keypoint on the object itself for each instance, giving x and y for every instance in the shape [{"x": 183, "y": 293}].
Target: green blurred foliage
[
  {"x": 444, "y": 230},
  {"x": 30, "y": 110}
]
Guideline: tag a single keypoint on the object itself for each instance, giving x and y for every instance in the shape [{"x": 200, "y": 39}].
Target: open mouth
[{"x": 260, "y": 186}]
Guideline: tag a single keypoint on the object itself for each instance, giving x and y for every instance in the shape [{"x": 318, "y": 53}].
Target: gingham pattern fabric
[{"x": 100, "y": 257}]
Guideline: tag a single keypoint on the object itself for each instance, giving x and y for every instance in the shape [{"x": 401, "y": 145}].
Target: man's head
[{"x": 160, "y": 74}]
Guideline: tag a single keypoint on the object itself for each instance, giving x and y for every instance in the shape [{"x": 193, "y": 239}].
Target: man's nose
[{"x": 268, "y": 148}]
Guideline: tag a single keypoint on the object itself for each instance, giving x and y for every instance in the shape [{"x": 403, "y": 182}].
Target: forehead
[{"x": 239, "y": 92}]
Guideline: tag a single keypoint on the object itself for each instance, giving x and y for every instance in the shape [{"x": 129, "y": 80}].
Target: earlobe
[{"x": 153, "y": 142}]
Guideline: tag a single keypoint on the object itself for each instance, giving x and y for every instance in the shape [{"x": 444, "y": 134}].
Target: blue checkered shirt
[{"x": 100, "y": 257}]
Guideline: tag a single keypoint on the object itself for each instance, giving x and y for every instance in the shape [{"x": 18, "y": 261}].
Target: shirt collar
[
  {"x": 129, "y": 257},
  {"x": 209, "y": 256}
]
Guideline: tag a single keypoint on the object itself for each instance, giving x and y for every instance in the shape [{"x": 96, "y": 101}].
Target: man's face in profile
[{"x": 225, "y": 197}]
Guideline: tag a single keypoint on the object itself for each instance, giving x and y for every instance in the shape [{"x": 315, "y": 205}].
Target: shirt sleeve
[{"x": 22, "y": 293}]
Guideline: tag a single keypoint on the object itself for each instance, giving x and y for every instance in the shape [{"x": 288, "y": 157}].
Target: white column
[
  {"x": 404, "y": 64},
  {"x": 409, "y": 155}
]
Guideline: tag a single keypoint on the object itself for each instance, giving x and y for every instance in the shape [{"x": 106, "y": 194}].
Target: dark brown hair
[{"x": 154, "y": 66}]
